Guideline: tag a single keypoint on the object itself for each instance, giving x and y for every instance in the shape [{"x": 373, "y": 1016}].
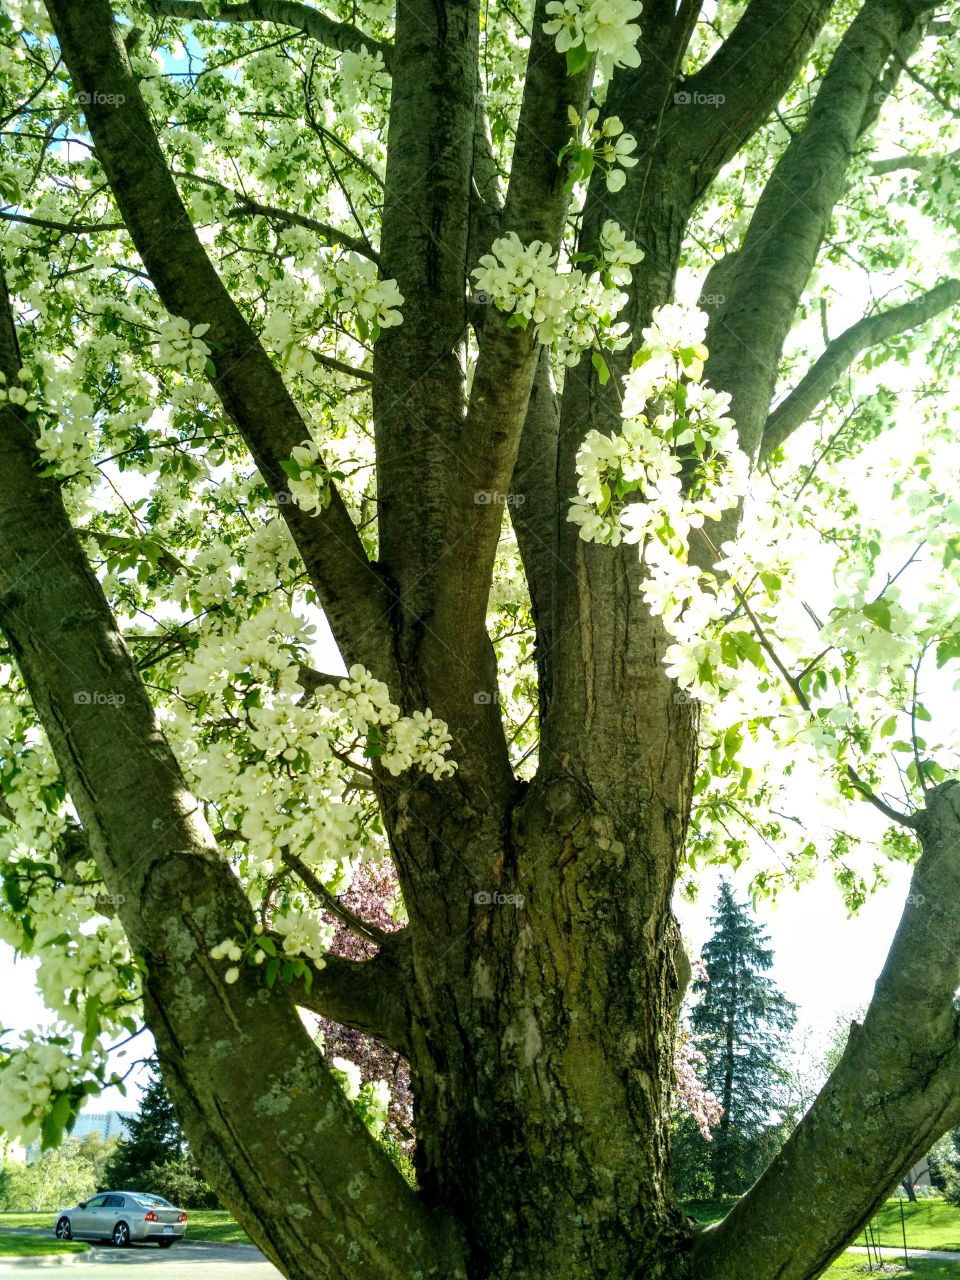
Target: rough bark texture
[{"x": 536, "y": 987}]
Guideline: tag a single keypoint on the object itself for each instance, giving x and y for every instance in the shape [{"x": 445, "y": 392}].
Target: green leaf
[
  {"x": 92, "y": 1023},
  {"x": 577, "y": 58},
  {"x": 272, "y": 970},
  {"x": 598, "y": 362},
  {"x": 56, "y": 1120},
  {"x": 888, "y": 727},
  {"x": 878, "y": 612}
]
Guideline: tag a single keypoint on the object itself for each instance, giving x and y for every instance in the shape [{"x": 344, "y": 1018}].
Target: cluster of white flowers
[
  {"x": 572, "y": 310},
  {"x": 33, "y": 1076},
  {"x": 309, "y": 480},
  {"x": 604, "y": 27},
  {"x": 18, "y": 395},
  {"x": 618, "y": 254},
  {"x": 65, "y": 426},
  {"x": 630, "y": 486},
  {"x": 362, "y": 76},
  {"x": 181, "y": 347},
  {"x": 606, "y": 144},
  {"x": 522, "y": 279},
  {"x": 373, "y": 303},
  {"x": 419, "y": 741},
  {"x": 304, "y": 934}
]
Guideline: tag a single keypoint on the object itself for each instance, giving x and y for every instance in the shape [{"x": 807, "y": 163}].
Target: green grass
[
  {"x": 707, "y": 1210},
  {"x": 202, "y": 1224},
  {"x": 931, "y": 1224},
  {"x": 37, "y": 1246},
  {"x": 214, "y": 1224},
  {"x": 853, "y": 1267}
]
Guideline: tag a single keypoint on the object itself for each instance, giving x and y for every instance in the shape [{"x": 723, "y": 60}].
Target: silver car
[{"x": 123, "y": 1216}]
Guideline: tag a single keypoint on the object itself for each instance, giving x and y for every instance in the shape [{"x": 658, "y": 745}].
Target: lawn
[
  {"x": 202, "y": 1224},
  {"x": 931, "y": 1224},
  {"x": 855, "y": 1268},
  {"x": 36, "y": 1246}
]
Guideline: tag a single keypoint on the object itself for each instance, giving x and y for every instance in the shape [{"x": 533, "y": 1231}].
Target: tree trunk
[
  {"x": 542, "y": 1036},
  {"x": 721, "y": 1149}
]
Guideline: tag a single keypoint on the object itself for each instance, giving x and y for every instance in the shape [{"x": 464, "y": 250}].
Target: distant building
[{"x": 107, "y": 1124}]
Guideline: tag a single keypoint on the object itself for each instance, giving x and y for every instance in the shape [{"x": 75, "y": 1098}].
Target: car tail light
[
  {"x": 150, "y": 1217},
  {"x": 182, "y": 1218}
]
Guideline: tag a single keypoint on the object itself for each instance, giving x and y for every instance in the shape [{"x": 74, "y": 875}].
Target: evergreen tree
[
  {"x": 154, "y": 1156},
  {"x": 740, "y": 1025}
]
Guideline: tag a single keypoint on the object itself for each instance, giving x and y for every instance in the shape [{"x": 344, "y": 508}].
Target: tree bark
[{"x": 894, "y": 1092}]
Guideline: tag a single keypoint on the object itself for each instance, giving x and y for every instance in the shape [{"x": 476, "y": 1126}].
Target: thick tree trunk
[{"x": 542, "y": 1036}]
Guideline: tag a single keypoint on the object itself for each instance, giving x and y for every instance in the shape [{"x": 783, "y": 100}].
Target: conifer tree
[{"x": 740, "y": 1024}]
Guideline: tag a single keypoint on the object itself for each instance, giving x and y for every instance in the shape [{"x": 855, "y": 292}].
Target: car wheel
[
  {"x": 166, "y": 1244},
  {"x": 121, "y": 1235},
  {"x": 63, "y": 1229}
]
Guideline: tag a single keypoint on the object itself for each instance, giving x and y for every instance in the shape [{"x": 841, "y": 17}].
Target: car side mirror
[{"x": 83, "y": 1204}]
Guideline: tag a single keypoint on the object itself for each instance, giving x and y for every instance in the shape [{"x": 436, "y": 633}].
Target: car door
[
  {"x": 112, "y": 1211},
  {"x": 88, "y": 1220}
]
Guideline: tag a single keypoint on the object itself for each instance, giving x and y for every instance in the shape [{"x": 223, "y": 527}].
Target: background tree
[
  {"x": 552, "y": 354},
  {"x": 154, "y": 1156},
  {"x": 59, "y": 1177},
  {"x": 740, "y": 1024}
]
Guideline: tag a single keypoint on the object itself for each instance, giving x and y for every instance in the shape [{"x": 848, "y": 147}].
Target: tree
[
  {"x": 61, "y": 1176},
  {"x": 335, "y": 309},
  {"x": 740, "y": 1025},
  {"x": 154, "y": 1155}
]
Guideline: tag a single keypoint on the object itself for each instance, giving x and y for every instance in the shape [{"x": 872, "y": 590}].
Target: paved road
[{"x": 184, "y": 1261}]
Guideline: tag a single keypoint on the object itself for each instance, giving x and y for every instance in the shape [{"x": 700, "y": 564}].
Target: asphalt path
[{"x": 185, "y": 1261}]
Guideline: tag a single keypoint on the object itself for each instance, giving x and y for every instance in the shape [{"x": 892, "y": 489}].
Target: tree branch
[
  {"x": 368, "y": 995},
  {"x": 66, "y": 228},
  {"x": 247, "y": 207},
  {"x": 731, "y": 97},
  {"x": 894, "y": 1092},
  {"x": 748, "y": 330},
  {"x": 252, "y": 390},
  {"x": 362, "y": 928},
  {"x": 535, "y": 207},
  {"x": 823, "y": 375},
  {"x": 285, "y": 13},
  {"x": 919, "y": 163},
  {"x": 534, "y": 513},
  {"x": 178, "y": 899}
]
